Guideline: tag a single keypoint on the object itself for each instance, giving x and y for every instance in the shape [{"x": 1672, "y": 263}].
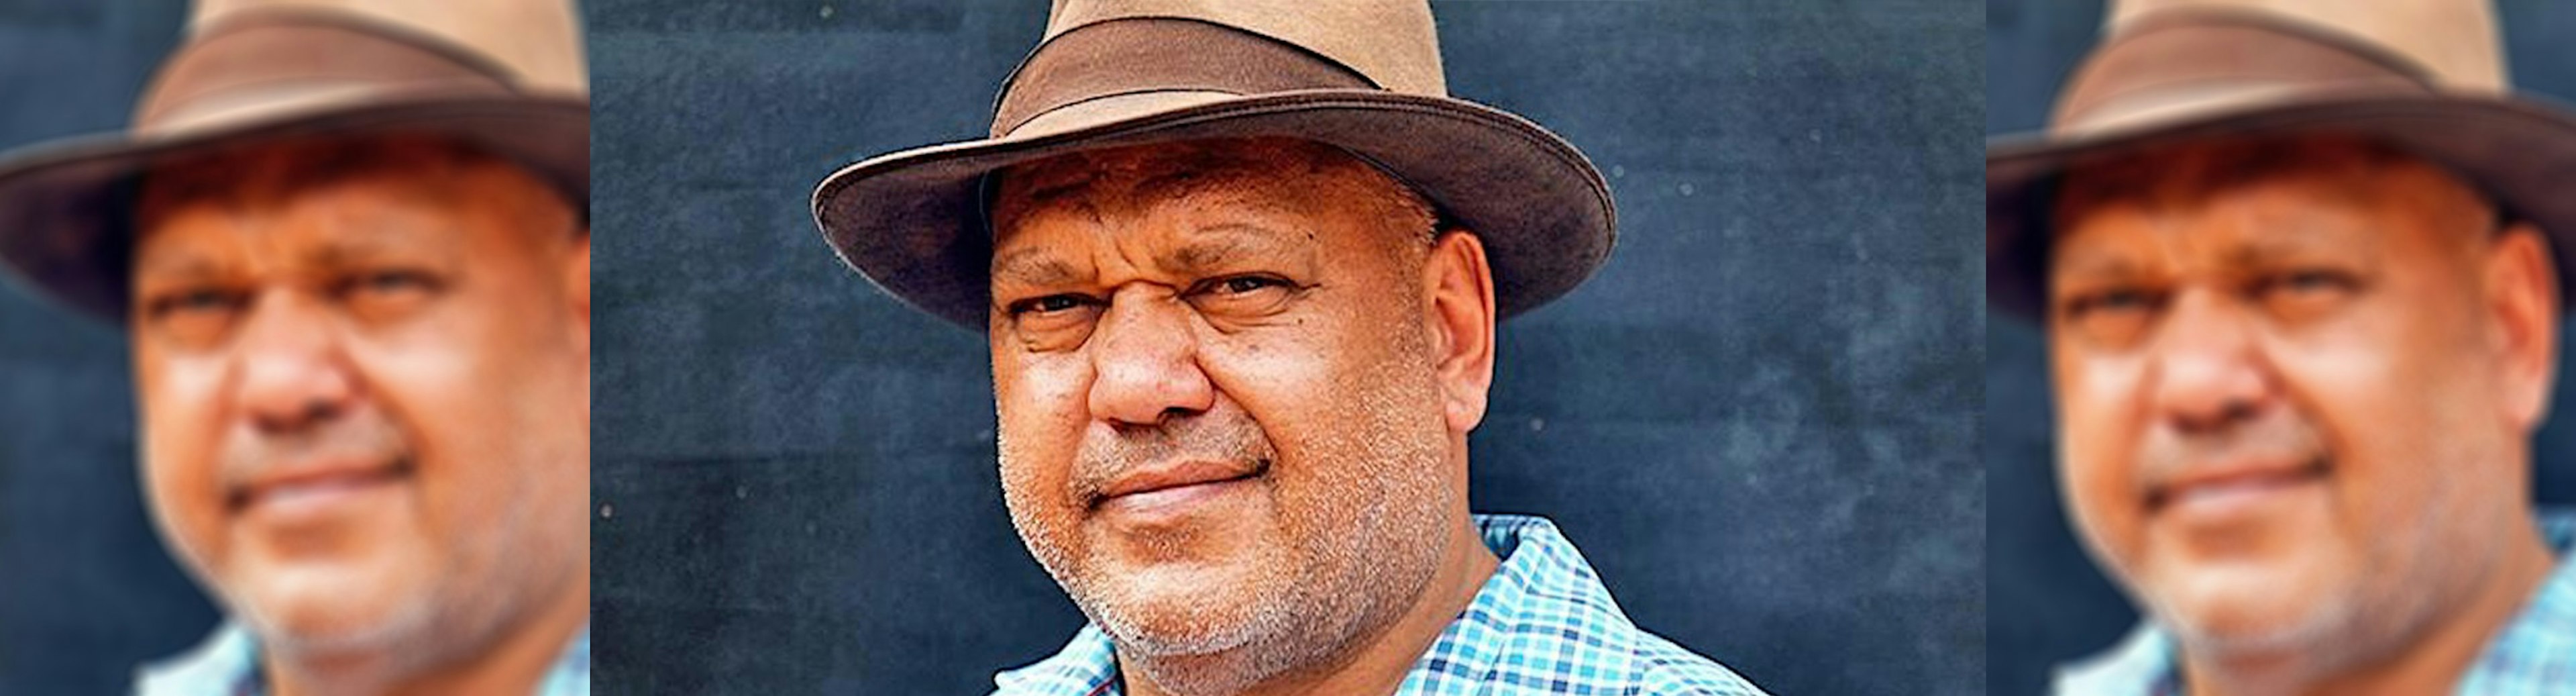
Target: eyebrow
[
  {"x": 2261, "y": 251},
  {"x": 398, "y": 240},
  {"x": 1030, "y": 265},
  {"x": 1216, "y": 246},
  {"x": 1208, "y": 249},
  {"x": 2096, "y": 264},
  {"x": 177, "y": 266},
  {"x": 342, "y": 251}
]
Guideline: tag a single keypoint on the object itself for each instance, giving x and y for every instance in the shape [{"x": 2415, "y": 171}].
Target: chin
[
  {"x": 324, "y": 611},
  {"x": 2236, "y": 612},
  {"x": 1169, "y": 613}
]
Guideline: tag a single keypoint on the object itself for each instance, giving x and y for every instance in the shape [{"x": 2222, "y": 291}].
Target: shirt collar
[
  {"x": 227, "y": 664},
  {"x": 2539, "y": 642}
]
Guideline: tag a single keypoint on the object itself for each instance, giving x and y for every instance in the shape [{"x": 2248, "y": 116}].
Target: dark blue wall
[
  {"x": 1758, "y": 421},
  {"x": 86, "y": 591},
  {"x": 2060, "y": 607}
]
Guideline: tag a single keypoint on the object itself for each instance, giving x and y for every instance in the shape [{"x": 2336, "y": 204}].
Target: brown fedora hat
[
  {"x": 505, "y": 75},
  {"x": 2425, "y": 76},
  {"x": 1361, "y": 75}
]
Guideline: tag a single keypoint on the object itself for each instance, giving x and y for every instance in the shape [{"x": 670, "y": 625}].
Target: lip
[
  {"x": 2234, "y": 485},
  {"x": 1156, "y": 486},
  {"x": 313, "y": 484}
]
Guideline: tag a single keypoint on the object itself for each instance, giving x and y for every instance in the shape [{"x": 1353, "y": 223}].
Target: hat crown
[
  {"x": 537, "y": 41},
  {"x": 2455, "y": 40},
  {"x": 1391, "y": 42}
]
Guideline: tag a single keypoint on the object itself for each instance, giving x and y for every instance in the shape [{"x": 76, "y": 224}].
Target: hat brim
[
  {"x": 65, "y": 205},
  {"x": 2519, "y": 150},
  {"x": 913, "y": 223}
]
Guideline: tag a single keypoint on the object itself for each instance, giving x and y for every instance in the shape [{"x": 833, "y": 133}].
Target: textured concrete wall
[
  {"x": 2060, "y": 608},
  {"x": 1758, "y": 421},
  {"x": 86, "y": 591}
]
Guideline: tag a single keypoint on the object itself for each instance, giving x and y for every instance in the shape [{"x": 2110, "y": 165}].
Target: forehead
[
  {"x": 252, "y": 187},
  {"x": 2259, "y": 186},
  {"x": 1260, "y": 172}
]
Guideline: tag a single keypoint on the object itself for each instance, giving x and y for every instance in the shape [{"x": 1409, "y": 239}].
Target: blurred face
[
  {"x": 364, "y": 369},
  {"x": 2295, "y": 381},
  {"x": 1222, "y": 430}
]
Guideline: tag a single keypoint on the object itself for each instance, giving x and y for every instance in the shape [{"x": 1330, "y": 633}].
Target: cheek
[
  {"x": 1040, "y": 405},
  {"x": 488, "y": 408},
  {"x": 183, "y": 426},
  {"x": 2379, "y": 390},
  {"x": 2102, "y": 420}
]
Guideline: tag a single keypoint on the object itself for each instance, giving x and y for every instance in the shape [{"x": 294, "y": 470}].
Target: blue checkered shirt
[
  {"x": 2533, "y": 656},
  {"x": 1542, "y": 624},
  {"x": 227, "y": 664}
]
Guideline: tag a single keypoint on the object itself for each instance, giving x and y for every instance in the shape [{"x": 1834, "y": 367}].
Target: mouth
[
  {"x": 313, "y": 484},
  {"x": 1163, "y": 487},
  {"x": 2232, "y": 486}
]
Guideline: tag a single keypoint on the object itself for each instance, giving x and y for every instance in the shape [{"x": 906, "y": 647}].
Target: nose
[
  {"x": 293, "y": 374},
  {"x": 2210, "y": 373},
  {"x": 1145, "y": 362}
]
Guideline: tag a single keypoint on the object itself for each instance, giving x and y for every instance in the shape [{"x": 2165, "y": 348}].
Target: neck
[
  {"x": 514, "y": 662},
  {"x": 2433, "y": 661},
  {"x": 1379, "y": 663}
]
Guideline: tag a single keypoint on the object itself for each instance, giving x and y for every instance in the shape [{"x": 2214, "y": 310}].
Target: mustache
[
  {"x": 1217, "y": 438},
  {"x": 2169, "y": 453},
  {"x": 363, "y": 435}
]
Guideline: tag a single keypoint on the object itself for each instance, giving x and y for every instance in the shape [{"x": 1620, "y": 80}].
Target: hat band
[
  {"x": 269, "y": 57},
  {"x": 1160, "y": 54},
  {"x": 2209, "y": 60}
]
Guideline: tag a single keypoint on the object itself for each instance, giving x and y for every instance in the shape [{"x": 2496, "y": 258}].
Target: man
[
  {"x": 1239, "y": 266},
  {"x": 348, "y": 243},
  {"x": 2299, "y": 264}
]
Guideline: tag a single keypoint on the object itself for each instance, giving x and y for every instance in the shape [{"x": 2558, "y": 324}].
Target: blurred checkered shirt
[
  {"x": 2535, "y": 655},
  {"x": 227, "y": 664},
  {"x": 1543, "y": 624}
]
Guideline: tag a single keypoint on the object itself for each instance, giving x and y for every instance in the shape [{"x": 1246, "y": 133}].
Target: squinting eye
[
  {"x": 196, "y": 317},
  {"x": 391, "y": 281},
  {"x": 1242, "y": 284},
  {"x": 386, "y": 295},
  {"x": 2111, "y": 318},
  {"x": 196, "y": 301},
  {"x": 1048, "y": 305},
  {"x": 2313, "y": 281},
  {"x": 2304, "y": 294},
  {"x": 1239, "y": 286},
  {"x": 2111, "y": 301}
]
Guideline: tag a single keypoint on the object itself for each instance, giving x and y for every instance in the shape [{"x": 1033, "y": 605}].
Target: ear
[
  {"x": 2522, "y": 293},
  {"x": 1458, "y": 294},
  {"x": 577, "y": 285}
]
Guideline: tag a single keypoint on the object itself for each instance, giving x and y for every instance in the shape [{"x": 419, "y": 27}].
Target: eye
[
  {"x": 386, "y": 293},
  {"x": 392, "y": 282},
  {"x": 1053, "y": 322},
  {"x": 1051, "y": 304},
  {"x": 2306, "y": 292},
  {"x": 2111, "y": 301},
  {"x": 195, "y": 316},
  {"x": 2112, "y": 316},
  {"x": 1240, "y": 285},
  {"x": 2311, "y": 281},
  {"x": 198, "y": 300}
]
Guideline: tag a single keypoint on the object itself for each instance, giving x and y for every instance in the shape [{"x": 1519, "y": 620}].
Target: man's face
[
  {"x": 1220, "y": 421},
  {"x": 364, "y": 375},
  {"x": 2295, "y": 379}
]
